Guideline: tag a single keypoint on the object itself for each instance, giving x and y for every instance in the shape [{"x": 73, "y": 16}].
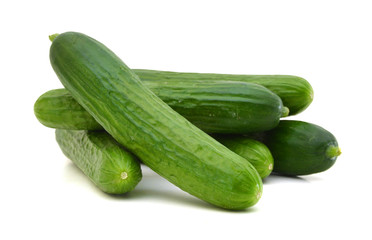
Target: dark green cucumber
[
  {"x": 222, "y": 106},
  {"x": 213, "y": 106},
  {"x": 295, "y": 92},
  {"x": 301, "y": 148},
  {"x": 109, "y": 166},
  {"x": 138, "y": 119},
  {"x": 254, "y": 151},
  {"x": 58, "y": 109}
]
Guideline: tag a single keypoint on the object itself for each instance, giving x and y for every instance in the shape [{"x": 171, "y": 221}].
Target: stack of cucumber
[{"x": 215, "y": 136}]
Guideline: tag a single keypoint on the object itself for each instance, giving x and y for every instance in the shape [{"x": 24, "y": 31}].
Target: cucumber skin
[
  {"x": 299, "y": 148},
  {"x": 295, "y": 92},
  {"x": 214, "y": 107},
  {"x": 252, "y": 150},
  {"x": 221, "y": 106},
  {"x": 58, "y": 109},
  {"x": 164, "y": 140},
  {"x": 101, "y": 158}
]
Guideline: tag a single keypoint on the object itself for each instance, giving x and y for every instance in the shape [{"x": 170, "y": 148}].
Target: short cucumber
[
  {"x": 301, "y": 148},
  {"x": 164, "y": 140},
  {"x": 254, "y": 151},
  {"x": 108, "y": 165},
  {"x": 295, "y": 92},
  {"x": 213, "y": 106}
]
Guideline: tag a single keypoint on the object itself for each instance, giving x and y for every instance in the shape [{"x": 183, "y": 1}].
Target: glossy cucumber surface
[
  {"x": 295, "y": 92},
  {"x": 138, "y": 119},
  {"x": 213, "y": 106},
  {"x": 301, "y": 148},
  {"x": 58, "y": 109},
  {"x": 253, "y": 151},
  {"x": 108, "y": 165}
]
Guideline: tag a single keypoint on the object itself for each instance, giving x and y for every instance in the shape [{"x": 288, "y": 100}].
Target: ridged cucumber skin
[
  {"x": 164, "y": 140},
  {"x": 58, "y": 109},
  {"x": 295, "y": 92},
  {"x": 213, "y": 106},
  {"x": 109, "y": 166},
  {"x": 257, "y": 153},
  {"x": 301, "y": 148}
]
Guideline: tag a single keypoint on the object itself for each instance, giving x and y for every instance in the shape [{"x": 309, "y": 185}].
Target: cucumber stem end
[
  {"x": 53, "y": 36},
  {"x": 285, "y": 111},
  {"x": 333, "y": 151}
]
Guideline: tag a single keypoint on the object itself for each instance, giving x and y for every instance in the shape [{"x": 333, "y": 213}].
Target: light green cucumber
[{"x": 253, "y": 151}]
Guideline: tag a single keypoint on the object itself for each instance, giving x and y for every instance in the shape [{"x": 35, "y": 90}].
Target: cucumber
[
  {"x": 213, "y": 106},
  {"x": 108, "y": 165},
  {"x": 301, "y": 148},
  {"x": 222, "y": 106},
  {"x": 295, "y": 92},
  {"x": 254, "y": 151},
  {"x": 138, "y": 119},
  {"x": 58, "y": 109}
]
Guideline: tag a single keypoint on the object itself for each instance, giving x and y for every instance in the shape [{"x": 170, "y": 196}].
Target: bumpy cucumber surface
[
  {"x": 58, "y": 109},
  {"x": 213, "y": 106},
  {"x": 252, "y": 150},
  {"x": 301, "y": 148},
  {"x": 108, "y": 165},
  {"x": 138, "y": 119},
  {"x": 295, "y": 92}
]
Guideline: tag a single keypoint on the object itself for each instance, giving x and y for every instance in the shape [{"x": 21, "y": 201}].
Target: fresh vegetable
[
  {"x": 58, "y": 109},
  {"x": 301, "y": 148},
  {"x": 222, "y": 106},
  {"x": 164, "y": 140},
  {"x": 295, "y": 92},
  {"x": 108, "y": 165},
  {"x": 254, "y": 151},
  {"x": 213, "y": 106}
]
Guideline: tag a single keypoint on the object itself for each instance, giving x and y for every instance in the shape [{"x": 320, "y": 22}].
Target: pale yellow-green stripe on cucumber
[{"x": 138, "y": 119}]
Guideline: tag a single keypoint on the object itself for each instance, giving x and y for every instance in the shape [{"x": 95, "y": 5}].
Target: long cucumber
[
  {"x": 138, "y": 119},
  {"x": 213, "y": 106},
  {"x": 295, "y": 92}
]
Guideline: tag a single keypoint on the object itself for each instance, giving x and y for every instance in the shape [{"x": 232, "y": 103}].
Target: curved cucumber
[
  {"x": 301, "y": 148},
  {"x": 214, "y": 107},
  {"x": 110, "y": 167},
  {"x": 254, "y": 151},
  {"x": 164, "y": 140},
  {"x": 295, "y": 92}
]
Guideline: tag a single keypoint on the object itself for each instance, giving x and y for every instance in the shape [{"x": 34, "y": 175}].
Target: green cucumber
[
  {"x": 108, "y": 165},
  {"x": 58, "y": 109},
  {"x": 295, "y": 92},
  {"x": 164, "y": 140},
  {"x": 301, "y": 148},
  {"x": 213, "y": 106},
  {"x": 222, "y": 106},
  {"x": 252, "y": 150}
]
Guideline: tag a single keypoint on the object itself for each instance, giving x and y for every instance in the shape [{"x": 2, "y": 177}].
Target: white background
[{"x": 44, "y": 196}]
